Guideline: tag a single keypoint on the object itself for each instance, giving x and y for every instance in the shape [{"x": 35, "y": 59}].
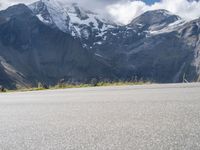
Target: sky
[
  {"x": 124, "y": 11},
  {"x": 151, "y": 1}
]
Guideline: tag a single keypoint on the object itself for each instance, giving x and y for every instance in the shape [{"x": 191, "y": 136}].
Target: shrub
[
  {"x": 94, "y": 82},
  {"x": 2, "y": 89}
]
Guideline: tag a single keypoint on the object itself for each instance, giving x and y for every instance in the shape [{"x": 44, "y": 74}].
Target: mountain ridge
[{"x": 33, "y": 48}]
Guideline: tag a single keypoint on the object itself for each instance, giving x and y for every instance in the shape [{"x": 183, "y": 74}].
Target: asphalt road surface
[{"x": 150, "y": 117}]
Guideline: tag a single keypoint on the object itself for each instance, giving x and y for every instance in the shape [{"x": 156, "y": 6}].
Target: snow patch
[
  {"x": 96, "y": 54},
  {"x": 170, "y": 28}
]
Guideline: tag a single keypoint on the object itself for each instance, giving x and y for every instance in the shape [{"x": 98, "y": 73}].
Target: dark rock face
[
  {"x": 32, "y": 51},
  {"x": 166, "y": 55}
]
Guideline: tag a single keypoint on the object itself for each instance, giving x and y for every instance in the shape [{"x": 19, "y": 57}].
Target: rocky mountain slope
[
  {"x": 73, "y": 19},
  {"x": 47, "y": 42},
  {"x": 33, "y": 52}
]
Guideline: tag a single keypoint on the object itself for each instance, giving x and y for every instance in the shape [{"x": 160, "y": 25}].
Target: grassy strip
[{"x": 68, "y": 86}]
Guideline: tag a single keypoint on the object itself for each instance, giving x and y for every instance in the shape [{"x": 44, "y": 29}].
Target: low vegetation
[
  {"x": 78, "y": 85},
  {"x": 99, "y": 84},
  {"x": 2, "y": 89}
]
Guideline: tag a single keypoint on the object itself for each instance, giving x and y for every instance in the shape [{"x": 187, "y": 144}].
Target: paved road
[{"x": 150, "y": 117}]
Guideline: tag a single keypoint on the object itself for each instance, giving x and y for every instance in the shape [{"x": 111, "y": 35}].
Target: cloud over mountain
[{"x": 125, "y": 10}]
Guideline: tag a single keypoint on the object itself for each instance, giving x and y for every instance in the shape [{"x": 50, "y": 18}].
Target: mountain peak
[
  {"x": 159, "y": 11},
  {"x": 70, "y": 18},
  {"x": 17, "y": 9},
  {"x": 159, "y": 18}
]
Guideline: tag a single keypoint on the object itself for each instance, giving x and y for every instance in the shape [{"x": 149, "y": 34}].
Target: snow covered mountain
[
  {"x": 94, "y": 30},
  {"x": 48, "y": 41},
  {"x": 73, "y": 19},
  {"x": 144, "y": 26}
]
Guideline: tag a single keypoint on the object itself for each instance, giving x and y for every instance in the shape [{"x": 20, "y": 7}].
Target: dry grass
[{"x": 67, "y": 86}]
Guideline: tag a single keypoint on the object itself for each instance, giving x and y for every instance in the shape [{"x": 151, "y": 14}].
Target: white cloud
[
  {"x": 125, "y": 12},
  {"x": 5, "y": 3},
  {"x": 88, "y": 3}
]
